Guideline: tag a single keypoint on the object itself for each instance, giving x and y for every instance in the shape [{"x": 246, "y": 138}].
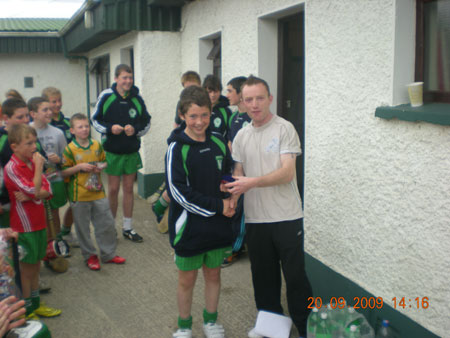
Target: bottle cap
[
  {"x": 323, "y": 315},
  {"x": 385, "y": 323},
  {"x": 353, "y": 328}
]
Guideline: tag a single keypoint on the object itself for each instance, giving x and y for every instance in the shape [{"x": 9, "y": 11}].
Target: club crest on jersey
[
  {"x": 217, "y": 122},
  {"x": 68, "y": 134},
  {"x": 132, "y": 112},
  {"x": 245, "y": 124},
  {"x": 219, "y": 160}
]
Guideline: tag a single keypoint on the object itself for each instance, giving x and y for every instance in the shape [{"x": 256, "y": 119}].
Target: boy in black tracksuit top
[
  {"x": 199, "y": 223},
  {"x": 122, "y": 118}
]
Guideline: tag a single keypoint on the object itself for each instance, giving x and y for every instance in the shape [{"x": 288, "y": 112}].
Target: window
[
  {"x": 100, "y": 68},
  {"x": 215, "y": 56},
  {"x": 433, "y": 49}
]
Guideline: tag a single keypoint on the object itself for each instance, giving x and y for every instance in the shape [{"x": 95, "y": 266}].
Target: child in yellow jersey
[{"x": 83, "y": 161}]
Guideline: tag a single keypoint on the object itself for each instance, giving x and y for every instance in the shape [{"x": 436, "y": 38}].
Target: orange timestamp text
[{"x": 369, "y": 302}]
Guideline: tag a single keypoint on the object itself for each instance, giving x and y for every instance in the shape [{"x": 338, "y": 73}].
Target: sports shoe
[
  {"x": 93, "y": 263},
  {"x": 230, "y": 260},
  {"x": 213, "y": 330},
  {"x": 46, "y": 311},
  {"x": 132, "y": 236},
  {"x": 158, "y": 216},
  {"x": 182, "y": 333},
  {"x": 72, "y": 240},
  {"x": 252, "y": 334},
  {"x": 117, "y": 260},
  {"x": 43, "y": 286},
  {"x": 163, "y": 226}
]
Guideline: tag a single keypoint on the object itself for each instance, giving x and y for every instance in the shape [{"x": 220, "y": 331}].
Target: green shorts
[
  {"x": 122, "y": 164},
  {"x": 59, "y": 195},
  {"x": 212, "y": 259},
  {"x": 35, "y": 245}
]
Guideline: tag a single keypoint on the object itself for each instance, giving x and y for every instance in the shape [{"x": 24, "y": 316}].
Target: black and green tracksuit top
[
  {"x": 63, "y": 124},
  {"x": 113, "y": 109},
  {"x": 194, "y": 172}
]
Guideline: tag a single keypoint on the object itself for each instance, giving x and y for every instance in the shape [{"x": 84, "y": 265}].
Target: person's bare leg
[
  {"x": 185, "y": 292},
  {"x": 212, "y": 288},
  {"x": 68, "y": 218},
  {"x": 128, "y": 196},
  {"x": 113, "y": 193}
]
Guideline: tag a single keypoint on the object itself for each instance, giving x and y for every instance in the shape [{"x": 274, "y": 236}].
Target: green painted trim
[
  {"x": 327, "y": 283},
  {"x": 437, "y": 113},
  {"x": 148, "y": 184}
]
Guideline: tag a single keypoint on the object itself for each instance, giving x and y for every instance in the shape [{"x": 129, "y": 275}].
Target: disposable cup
[{"x": 415, "y": 91}]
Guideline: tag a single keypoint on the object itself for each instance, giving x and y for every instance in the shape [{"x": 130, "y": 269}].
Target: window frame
[{"x": 428, "y": 95}]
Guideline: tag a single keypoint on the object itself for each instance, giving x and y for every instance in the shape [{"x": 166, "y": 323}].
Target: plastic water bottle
[
  {"x": 323, "y": 328},
  {"x": 313, "y": 321},
  {"x": 385, "y": 331}
]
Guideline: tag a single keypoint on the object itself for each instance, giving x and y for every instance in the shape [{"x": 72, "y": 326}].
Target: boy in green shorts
[
  {"x": 122, "y": 118},
  {"x": 199, "y": 216},
  {"x": 27, "y": 187},
  {"x": 53, "y": 141}
]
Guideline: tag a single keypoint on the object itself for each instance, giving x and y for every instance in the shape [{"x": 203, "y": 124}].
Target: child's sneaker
[
  {"x": 213, "y": 330},
  {"x": 93, "y": 263},
  {"x": 182, "y": 333},
  {"x": 117, "y": 260},
  {"x": 46, "y": 311},
  {"x": 132, "y": 236},
  {"x": 252, "y": 334}
]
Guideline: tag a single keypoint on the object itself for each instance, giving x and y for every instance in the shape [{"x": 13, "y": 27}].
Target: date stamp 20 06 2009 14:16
[{"x": 370, "y": 302}]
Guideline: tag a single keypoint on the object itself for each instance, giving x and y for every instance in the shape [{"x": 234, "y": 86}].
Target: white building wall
[
  {"x": 46, "y": 70},
  {"x": 376, "y": 203}
]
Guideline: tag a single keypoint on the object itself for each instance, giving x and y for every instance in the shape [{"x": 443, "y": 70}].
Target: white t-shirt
[{"x": 259, "y": 150}]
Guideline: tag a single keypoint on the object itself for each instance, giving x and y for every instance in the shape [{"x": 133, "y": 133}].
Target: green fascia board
[
  {"x": 167, "y": 3},
  {"x": 31, "y": 24},
  {"x": 115, "y": 18},
  {"x": 436, "y": 113},
  {"x": 30, "y": 45}
]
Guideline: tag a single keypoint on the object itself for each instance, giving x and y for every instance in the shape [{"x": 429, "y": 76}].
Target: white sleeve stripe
[
  {"x": 101, "y": 129},
  {"x": 145, "y": 130},
  {"x": 17, "y": 181},
  {"x": 177, "y": 195}
]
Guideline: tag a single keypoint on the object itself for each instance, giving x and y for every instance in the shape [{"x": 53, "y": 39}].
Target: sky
[{"x": 39, "y": 8}]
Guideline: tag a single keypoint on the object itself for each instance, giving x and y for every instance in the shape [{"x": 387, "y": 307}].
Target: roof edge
[
  {"x": 30, "y": 34},
  {"x": 88, "y": 4}
]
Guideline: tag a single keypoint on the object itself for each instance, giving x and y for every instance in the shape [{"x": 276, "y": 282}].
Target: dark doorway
[{"x": 291, "y": 81}]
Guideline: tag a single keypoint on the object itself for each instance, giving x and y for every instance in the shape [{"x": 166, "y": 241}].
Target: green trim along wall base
[
  {"x": 327, "y": 283},
  {"x": 149, "y": 183}
]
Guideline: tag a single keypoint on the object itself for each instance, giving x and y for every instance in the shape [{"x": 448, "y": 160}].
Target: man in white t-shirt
[{"x": 265, "y": 152}]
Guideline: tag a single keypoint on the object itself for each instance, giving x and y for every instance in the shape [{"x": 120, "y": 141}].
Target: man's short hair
[
  {"x": 253, "y": 80},
  {"x": 35, "y": 102},
  {"x": 194, "y": 95},
  {"x": 77, "y": 117},
  {"x": 122, "y": 68},
  {"x": 50, "y": 91},
  {"x": 19, "y": 132},
  {"x": 237, "y": 82},
  {"x": 9, "y": 106},
  {"x": 212, "y": 82},
  {"x": 12, "y": 93},
  {"x": 190, "y": 76}
]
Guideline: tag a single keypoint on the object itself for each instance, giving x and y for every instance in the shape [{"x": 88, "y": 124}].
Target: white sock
[{"x": 127, "y": 224}]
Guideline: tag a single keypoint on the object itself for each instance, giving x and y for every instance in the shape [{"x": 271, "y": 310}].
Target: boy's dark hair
[
  {"x": 122, "y": 68},
  {"x": 50, "y": 91},
  {"x": 237, "y": 82},
  {"x": 18, "y": 132},
  {"x": 14, "y": 94},
  {"x": 77, "y": 117},
  {"x": 190, "y": 76},
  {"x": 9, "y": 106},
  {"x": 212, "y": 82},
  {"x": 253, "y": 80},
  {"x": 35, "y": 102},
  {"x": 193, "y": 95}
]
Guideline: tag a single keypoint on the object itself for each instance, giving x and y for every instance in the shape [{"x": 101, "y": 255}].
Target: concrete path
[{"x": 138, "y": 299}]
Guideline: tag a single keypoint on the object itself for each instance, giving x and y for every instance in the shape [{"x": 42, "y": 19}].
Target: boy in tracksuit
[
  {"x": 199, "y": 223},
  {"x": 122, "y": 118}
]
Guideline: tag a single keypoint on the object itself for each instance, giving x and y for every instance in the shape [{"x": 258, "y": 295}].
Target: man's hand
[
  {"x": 10, "y": 310},
  {"x": 52, "y": 157},
  {"x": 129, "y": 130},
  {"x": 116, "y": 129},
  {"x": 38, "y": 160},
  {"x": 241, "y": 184},
  {"x": 227, "y": 210},
  {"x": 86, "y": 167}
]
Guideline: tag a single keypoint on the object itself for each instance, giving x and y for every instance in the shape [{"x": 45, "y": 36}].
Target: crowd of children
[{"x": 53, "y": 160}]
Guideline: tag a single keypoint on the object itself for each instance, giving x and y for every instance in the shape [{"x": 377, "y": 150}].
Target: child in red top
[{"x": 27, "y": 187}]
